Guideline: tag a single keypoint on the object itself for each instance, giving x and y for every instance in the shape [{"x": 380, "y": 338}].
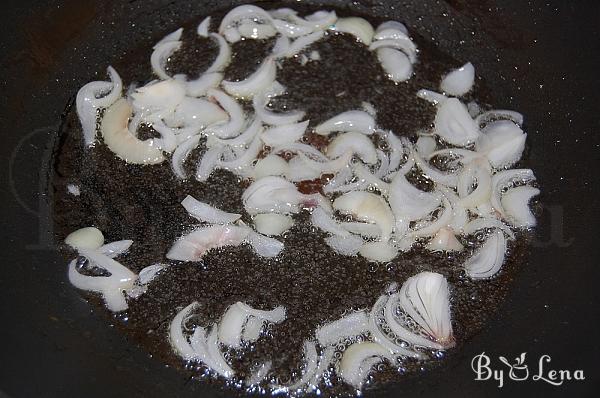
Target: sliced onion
[
  {"x": 486, "y": 262},
  {"x": 256, "y": 83},
  {"x": 454, "y": 124},
  {"x": 124, "y": 144},
  {"x": 324, "y": 221},
  {"x": 203, "y": 27},
  {"x": 351, "y": 325},
  {"x": 223, "y": 58},
  {"x": 200, "y": 86},
  {"x": 193, "y": 246},
  {"x": 241, "y": 141},
  {"x": 431, "y": 96},
  {"x": 160, "y": 55},
  {"x": 437, "y": 176},
  {"x": 299, "y": 44},
  {"x": 499, "y": 114},
  {"x": 482, "y": 194},
  {"x": 178, "y": 341},
  {"x": 368, "y": 207},
  {"x": 504, "y": 179},
  {"x": 432, "y": 228},
  {"x": 217, "y": 363},
  {"x": 242, "y": 164},
  {"x": 171, "y": 37},
  {"x": 291, "y": 30},
  {"x": 272, "y": 224},
  {"x": 425, "y": 146},
  {"x": 149, "y": 273},
  {"x": 460, "y": 216},
  {"x": 114, "y": 249},
  {"x": 358, "y": 360},
  {"x": 516, "y": 206},
  {"x": 409, "y": 203},
  {"x": 346, "y": 246},
  {"x": 381, "y": 252},
  {"x": 487, "y": 222},
  {"x": 459, "y": 81},
  {"x": 395, "y": 63},
  {"x": 253, "y": 30},
  {"x": 236, "y": 317},
  {"x": 503, "y": 143},
  {"x": 85, "y": 238},
  {"x": 180, "y": 155},
  {"x": 363, "y": 229},
  {"x": 263, "y": 245},
  {"x": 355, "y": 143},
  {"x": 284, "y": 134},
  {"x": 303, "y": 168},
  {"x": 93, "y": 96},
  {"x": 445, "y": 241},
  {"x": 426, "y": 298},
  {"x": 274, "y": 118},
  {"x": 253, "y": 329},
  {"x": 390, "y": 30},
  {"x": 237, "y": 117},
  {"x": 275, "y": 194},
  {"x": 159, "y": 97},
  {"x": 272, "y": 165},
  {"x": 198, "y": 112},
  {"x": 404, "y": 44},
  {"x": 357, "y": 27},
  {"x": 206, "y": 213},
  {"x": 243, "y": 12},
  {"x": 298, "y": 147},
  {"x": 354, "y": 121}
]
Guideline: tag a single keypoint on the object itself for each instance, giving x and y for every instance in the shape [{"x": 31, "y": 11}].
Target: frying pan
[{"x": 542, "y": 57}]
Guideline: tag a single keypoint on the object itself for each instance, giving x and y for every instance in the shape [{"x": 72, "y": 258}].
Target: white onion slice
[
  {"x": 431, "y": 96},
  {"x": 236, "y": 317},
  {"x": 486, "y": 262},
  {"x": 358, "y": 359},
  {"x": 159, "y": 98},
  {"x": 390, "y": 30},
  {"x": 516, "y": 206},
  {"x": 171, "y": 37},
  {"x": 487, "y": 222},
  {"x": 272, "y": 165},
  {"x": 242, "y": 140},
  {"x": 253, "y": 30},
  {"x": 454, "y": 124},
  {"x": 380, "y": 252},
  {"x": 198, "y": 112},
  {"x": 275, "y": 194},
  {"x": 223, "y": 58},
  {"x": 425, "y": 146},
  {"x": 323, "y": 220},
  {"x": 256, "y": 83},
  {"x": 178, "y": 341},
  {"x": 192, "y": 246},
  {"x": 302, "y": 168},
  {"x": 404, "y": 44},
  {"x": 357, "y": 27},
  {"x": 206, "y": 213},
  {"x": 217, "y": 363},
  {"x": 503, "y": 143},
  {"x": 459, "y": 81},
  {"x": 298, "y": 147},
  {"x": 237, "y": 117},
  {"x": 93, "y": 96},
  {"x": 263, "y": 245},
  {"x": 253, "y": 329},
  {"x": 241, "y": 165},
  {"x": 363, "y": 229},
  {"x": 200, "y": 86},
  {"x": 395, "y": 63},
  {"x": 482, "y": 174},
  {"x": 443, "y": 220},
  {"x": 426, "y": 298},
  {"x": 410, "y": 203},
  {"x": 271, "y": 224},
  {"x": 299, "y": 44},
  {"x": 437, "y": 176},
  {"x": 351, "y": 325},
  {"x": 368, "y": 207},
  {"x": 203, "y": 27},
  {"x": 284, "y": 134},
  {"x": 114, "y": 249},
  {"x": 85, "y": 238},
  {"x": 124, "y": 144},
  {"x": 243, "y": 12},
  {"x": 160, "y": 55},
  {"x": 346, "y": 246},
  {"x": 504, "y": 179},
  {"x": 499, "y": 114},
  {"x": 355, "y": 143},
  {"x": 445, "y": 241},
  {"x": 291, "y": 30},
  {"x": 181, "y": 153},
  {"x": 274, "y": 118},
  {"x": 354, "y": 121}
]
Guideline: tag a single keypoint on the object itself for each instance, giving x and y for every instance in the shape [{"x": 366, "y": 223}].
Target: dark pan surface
[{"x": 548, "y": 57}]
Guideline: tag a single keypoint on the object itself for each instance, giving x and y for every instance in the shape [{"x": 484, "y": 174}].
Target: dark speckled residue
[{"x": 316, "y": 285}]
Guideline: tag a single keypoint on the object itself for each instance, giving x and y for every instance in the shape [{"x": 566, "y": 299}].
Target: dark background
[{"x": 544, "y": 57}]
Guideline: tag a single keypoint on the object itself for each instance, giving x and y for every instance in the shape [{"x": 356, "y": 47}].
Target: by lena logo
[{"x": 519, "y": 371}]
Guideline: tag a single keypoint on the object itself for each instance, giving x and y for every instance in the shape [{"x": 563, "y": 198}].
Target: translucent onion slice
[
  {"x": 124, "y": 144},
  {"x": 346, "y": 246},
  {"x": 277, "y": 195},
  {"x": 223, "y": 58},
  {"x": 193, "y": 246},
  {"x": 380, "y": 252},
  {"x": 257, "y": 31},
  {"x": 351, "y": 325},
  {"x": 198, "y": 112},
  {"x": 431, "y": 96},
  {"x": 425, "y": 146},
  {"x": 368, "y": 207},
  {"x": 391, "y": 30},
  {"x": 363, "y": 229},
  {"x": 503, "y": 143},
  {"x": 505, "y": 179},
  {"x": 207, "y": 213},
  {"x": 284, "y": 134},
  {"x": 237, "y": 117},
  {"x": 499, "y": 114},
  {"x": 236, "y": 317},
  {"x": 454, "y": 124},
  {"x": 289, "y": 29},
  {"x": 299, "y": 44},
  {"x": 426, "y": 298},
  {"x": 263, "y": 245},
  {"x": 272, "y": 224},
  {"x": 410, "y": 203},
  {"x": 171, "y": 37},
  {"x": 482, "y": 175},
  {"x": 241, "y": 141},
  {"x": 302, "y": 168},
  {"x": 395, "y": 63},
  {"x": 459, "y": 81},
  {"x": 354, "y": 121},
  {"x": 93, "y": 96},
  {"x": 404, "y": 44},
  {"x": 178, "y": 340},
  {"x": 85, "y": 238},
  {"x": 254, "y": 84},
  {"x": 357, "y": 27},
  {"x": 253, "y": 329},
  {"x": 242, "y": 164},
  {"x": 488, "y": 260},
  {"x": 271, "y": 165},
  {"x": 259, "y": 103},
  {"x": 324, "y": 221},
  {"x": 159, "y": 98},
  {"x": 445, "y": 241},
  {"x": 298, "y": 147},
  {"x": 243, "y": 12},
  {"x": 162, "y": 52},
  {"x": 115, "y": 249},
  {"x": 437, "y": 176},
  {"x": 358, "y": 359},
  {"x": 200, "y": 86},
  {"x": 181, "y": 154},
  {"x": 432, "y": 228},
  {"x": 516, "y": 206},
  {"x": 487, "y": 223},
  {"x": 203, "y": 27},
  {"x": 355, "y": 143}
]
